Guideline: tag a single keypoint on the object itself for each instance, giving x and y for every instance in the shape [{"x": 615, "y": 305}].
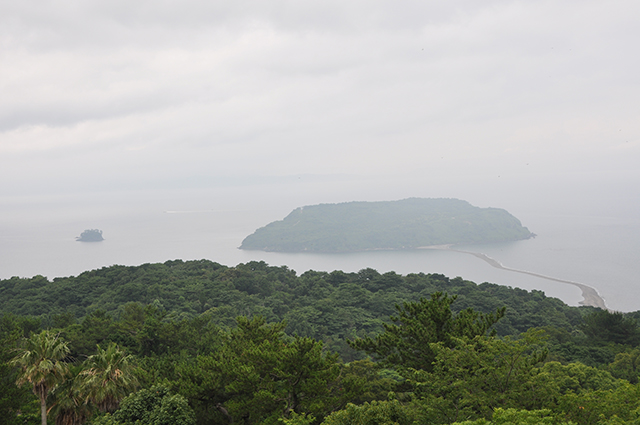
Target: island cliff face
[{"x": 405, "y": 224}]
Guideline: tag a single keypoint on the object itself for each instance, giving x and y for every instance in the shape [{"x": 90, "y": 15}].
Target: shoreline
[{"x": 590, "y": 296}]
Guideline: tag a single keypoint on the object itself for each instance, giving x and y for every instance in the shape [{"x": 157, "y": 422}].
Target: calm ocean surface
[{"x": 37, "y": 236}]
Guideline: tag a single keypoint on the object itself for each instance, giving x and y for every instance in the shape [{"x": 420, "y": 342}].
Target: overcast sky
[{"x": 104, "y": 94}]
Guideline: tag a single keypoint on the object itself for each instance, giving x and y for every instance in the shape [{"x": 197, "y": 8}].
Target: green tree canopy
[
  {"x": 609, "y": 326},
  {"x": 475, "y": 376},
  {"x": 519, "y": 417},
  {"x": 406, "y": 341},
  {"x": 260, "y": 375},
  {"x": 374, "y": 413},
  {"x": 154, "y": 406}
]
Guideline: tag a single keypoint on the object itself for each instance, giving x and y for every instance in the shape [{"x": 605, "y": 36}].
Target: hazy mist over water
[{"x": 583, "y": 236}]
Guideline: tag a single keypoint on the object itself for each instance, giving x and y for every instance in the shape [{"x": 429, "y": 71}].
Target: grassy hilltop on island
[{"x": 405, "y": 224}]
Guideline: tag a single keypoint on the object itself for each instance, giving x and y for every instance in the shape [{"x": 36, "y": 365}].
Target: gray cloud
[{"x": 185, "y": 91}]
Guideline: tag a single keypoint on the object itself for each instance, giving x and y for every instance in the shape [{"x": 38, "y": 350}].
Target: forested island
[
  {"x": 405, "y": 224},
  {"x": 90, "y": 235},
  {"x": 198, "y": 342}
]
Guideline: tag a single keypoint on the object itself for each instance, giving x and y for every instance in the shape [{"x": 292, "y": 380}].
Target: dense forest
[
  {"x": 197, "y": 342},
  {"x": 405, "y": 224}
]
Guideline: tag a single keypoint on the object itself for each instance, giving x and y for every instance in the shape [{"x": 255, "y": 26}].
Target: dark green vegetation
[
  {"x": 406, "y": 224},
  {"x": 200, "y": 343},
  {"x": 90, "y": 235}
]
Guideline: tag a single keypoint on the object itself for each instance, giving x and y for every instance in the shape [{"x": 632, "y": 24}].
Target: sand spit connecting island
[
  {"x": 414, "y": 223},
  {"x": 590, "y": 296}
]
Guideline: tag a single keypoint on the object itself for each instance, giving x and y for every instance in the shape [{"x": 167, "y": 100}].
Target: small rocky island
[
  {"x": 390, "y": 225},
  {"x": 90, "y": 235}
]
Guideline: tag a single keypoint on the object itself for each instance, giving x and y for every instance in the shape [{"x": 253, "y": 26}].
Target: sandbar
[{"x": 590, "y": 296}]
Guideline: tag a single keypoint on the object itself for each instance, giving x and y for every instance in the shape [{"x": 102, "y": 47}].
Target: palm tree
[
  {"x": 68, "y": 400},
  {"x": 40, "y": 365},
  {"x": 109, "y": 377}
]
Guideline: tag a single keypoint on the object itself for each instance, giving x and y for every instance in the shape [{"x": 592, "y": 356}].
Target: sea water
[{"x": 37, "y": 237}]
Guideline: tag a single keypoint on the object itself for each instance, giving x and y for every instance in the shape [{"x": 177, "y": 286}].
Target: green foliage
[
  {"x": 165, "y": 309},
  {"x": 407, "y": 342},
  {"x": 364, "y": 381},
  {"x": 475, "y": 376},
  {"x": 597, "y": 340},
  {"x": 409, "y": 223},
  {"x": 16, "y": 403},
  {"x": 613, "y": 327},
  {"x": 260, "y": 375},
  {"x": 603, "y": 406},
  {"x": 40, "y": 366},
  {"x": 296, "y": 419},
  {"x": 158, "y": 309},
  {"x": 69, "y": 401},
  {"x": 96, "y": 328},
  {"x": 155, "y": 406},
  {"x": 72, "y": 390},
  {"x": 574, "y": 377},
  {"x": 626, "y": 366},
  {"x": 519, "y": 417},
  {"x": 108, "y": 376},
  {"x": 374, "y": 413}
]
